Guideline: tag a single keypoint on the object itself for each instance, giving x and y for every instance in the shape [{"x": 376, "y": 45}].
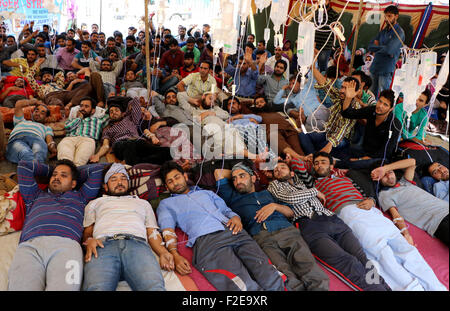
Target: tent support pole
[
  {"x": 147, "y": 48},
  {"x": 355, "y": 39}
]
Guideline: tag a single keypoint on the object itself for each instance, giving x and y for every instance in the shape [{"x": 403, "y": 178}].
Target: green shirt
[
  {"x": 418, "y": 122},
  {"x": 89, "y": 127},
  {"x": 196, "y": 52}
]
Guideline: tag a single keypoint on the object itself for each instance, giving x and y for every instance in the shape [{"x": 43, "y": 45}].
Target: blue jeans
[
  {"x": 314, "y": 142},
  {"x": 163, "y": 88},
  {"x": 27, "y": 148},
  {"x": 322, "y": 60},
  {"x": 381, "y": 83},
  {"x": 356, "y": 151},
  {"x": 129, "y": 260}
]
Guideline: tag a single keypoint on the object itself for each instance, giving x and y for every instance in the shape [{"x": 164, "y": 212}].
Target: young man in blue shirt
[
  {"x": 225, "y": 254},
  {"x": 386, "y": 46}
]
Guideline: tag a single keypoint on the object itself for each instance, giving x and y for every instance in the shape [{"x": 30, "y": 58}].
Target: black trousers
[
  {"x": 442, "y": 233},
  {"x": 138, "y": 151},
  {"x": 340, "y": 252}
]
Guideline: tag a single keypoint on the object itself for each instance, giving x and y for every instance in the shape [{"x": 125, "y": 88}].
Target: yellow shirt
[{"x": 16, "y": 72}]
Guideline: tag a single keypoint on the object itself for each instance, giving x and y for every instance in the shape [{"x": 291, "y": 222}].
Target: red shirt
[
  {"x": 172, "y": 60},
  {"x": 184, "y": 73}
]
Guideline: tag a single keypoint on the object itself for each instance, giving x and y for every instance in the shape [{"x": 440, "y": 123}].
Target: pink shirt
[{"x": 65, "y": 58}]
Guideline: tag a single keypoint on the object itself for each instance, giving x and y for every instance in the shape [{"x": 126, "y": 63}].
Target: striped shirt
[
  {"x": 337, "y": 127},
  {"x": 23, "y": 127},
  {"x": 303, "y": 201},
  {"x": 88, "y": 127},
  {"x": 127, "y": 128},
  {"x": 339, "y": 191},
  {"x": 322, "y": 35},
  {"x": 119, "y": 215},
  {"x": 49, "y": 214}
]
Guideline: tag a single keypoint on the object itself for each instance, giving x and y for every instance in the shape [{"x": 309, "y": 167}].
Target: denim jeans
[
  {"x": 129, "y": 260},
  {"x": 314, "y": 142},
  {"x": 27, "y": 148},
  {"x": 381, "y": 83},
  {"x": 163, "y": 88},
  {"x": 356, "y": 151}
]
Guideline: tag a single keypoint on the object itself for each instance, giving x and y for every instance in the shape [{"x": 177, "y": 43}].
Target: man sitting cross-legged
[{"x": 118, "y": 231}]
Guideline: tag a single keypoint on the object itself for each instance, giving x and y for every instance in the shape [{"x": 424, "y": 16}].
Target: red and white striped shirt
[{"x": 339, "y": 191}]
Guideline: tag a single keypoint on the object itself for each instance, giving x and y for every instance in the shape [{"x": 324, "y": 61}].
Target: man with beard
[
  {"x": 329, "y": 238},
  {"x": 285, "y": 134},
  {"x": 273, "y": 83},
  {"x": 225, "y": 254},
  {"x": 21, "y": 66},
  {"x": 53, "y": 226},
  {"x": 405, "y": 201},
  {"x": 196, "y": 84},
  {"x": 267, "y": 222},
  {"x": 82, "y": 133},
  {"x": 191, "y": 48},
  {"x": 438, "y": 181},
  {"x": 30, "y": 140},
  {"x": 110, "y": 47},
  {"x": 122, "y": 135},
  {"x": 210, "y": 121},
  {"x": 66, "y": 55},
  {"x": 167, "y": 106},
  {"x": 382, "y": 129},
  {"x": 173, "y": 58},
  {"x": 20, "y": 90},
  {"x": 269, "y": 64},
  {"x": 120, "y": 232},
  {"x": 386, "y": 46},
  {"x": 246, "y": 77},
  {"x": 53, "y": 92},
  {"x": 109, "y": 72},
  {"x": 338, "y": 130},
  {"x": 130, "y": 48},
  {"x": 189, "y": 65},
  {"x": 50, "y": 60},
  {"x": 397, "y": 261}
]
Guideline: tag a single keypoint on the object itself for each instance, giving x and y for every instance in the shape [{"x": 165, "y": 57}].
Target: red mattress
[{"x": 434, "y": 251}]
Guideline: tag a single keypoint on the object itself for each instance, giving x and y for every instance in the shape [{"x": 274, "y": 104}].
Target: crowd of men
[{"x": 251, "y": 108}]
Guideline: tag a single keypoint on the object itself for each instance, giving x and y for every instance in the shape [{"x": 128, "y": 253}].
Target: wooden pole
[
  {"x": 147, "y": 48},
  {"x": 355, "y": 39}
]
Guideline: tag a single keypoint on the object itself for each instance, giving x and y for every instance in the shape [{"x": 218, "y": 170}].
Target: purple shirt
[
  {"x": 65, "y": 58},
  {"x": 127, "y": 127}
]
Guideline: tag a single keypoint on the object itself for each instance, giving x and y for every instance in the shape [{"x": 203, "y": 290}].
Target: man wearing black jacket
[{"x": 381, "y": 134}]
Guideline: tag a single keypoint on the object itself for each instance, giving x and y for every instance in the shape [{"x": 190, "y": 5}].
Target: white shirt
[{"x": 119, "y": 215}]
